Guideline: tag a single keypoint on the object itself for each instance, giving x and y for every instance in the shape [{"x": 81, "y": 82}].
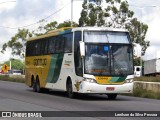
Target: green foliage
[
  {"x": 117, "y": 15},
  {"x": 15, "y": 64},
  {"x": 138, "y": 32},
  {"x": 138, "y": 92},
  {"x": 92, "y": 14},
  {"x": 51, "y": 26},
  {"x": 17, "y": 42},
  {"x": 136, "y": 61},
  {"x": 67, "y": 24}
]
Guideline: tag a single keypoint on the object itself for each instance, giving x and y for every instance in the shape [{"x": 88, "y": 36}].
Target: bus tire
[
  {"x": 70, "y": 92},
  {"x": 34, "y": 86},
  {"x": 112, "y": 96},
  {"x": 38, "y": 89},
  {"x": 44, "y": 90}
]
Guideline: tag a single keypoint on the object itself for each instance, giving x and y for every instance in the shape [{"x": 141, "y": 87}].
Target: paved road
[{"x": 19, "y": 97}]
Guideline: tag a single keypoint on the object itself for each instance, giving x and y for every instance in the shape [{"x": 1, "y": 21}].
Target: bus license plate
[{"x": 110, "y": 88}]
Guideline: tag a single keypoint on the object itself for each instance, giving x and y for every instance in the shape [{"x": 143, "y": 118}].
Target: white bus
[{"x": 88, "y": 60}]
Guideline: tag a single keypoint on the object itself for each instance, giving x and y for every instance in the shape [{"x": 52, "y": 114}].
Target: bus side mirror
[{"x": 82, "y": 48}]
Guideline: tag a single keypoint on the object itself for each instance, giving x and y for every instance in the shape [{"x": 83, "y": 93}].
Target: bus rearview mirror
[{"x": 82, "y": 48}]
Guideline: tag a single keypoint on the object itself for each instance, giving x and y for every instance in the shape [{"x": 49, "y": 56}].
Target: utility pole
[{"x": 71, "y": 13}]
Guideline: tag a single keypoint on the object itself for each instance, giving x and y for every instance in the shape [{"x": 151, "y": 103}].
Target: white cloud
[
  {"x": 151, "y": 53},
  {"x": 152, "y": 19},
  {"x": 153, "y": 31},
  {"x": 7, "y": 5},
  {"x": 5, "y": 57}
]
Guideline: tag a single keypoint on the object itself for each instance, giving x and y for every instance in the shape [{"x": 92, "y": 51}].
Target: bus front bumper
[{"x": 87, "y": 87}]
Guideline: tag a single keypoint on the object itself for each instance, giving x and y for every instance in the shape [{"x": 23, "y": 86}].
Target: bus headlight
[
  {"x": 128, "y": 80},
  {"x": 90, "y": 80}
]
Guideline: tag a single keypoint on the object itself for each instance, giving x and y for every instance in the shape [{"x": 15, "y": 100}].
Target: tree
[
  {"x": 92, "y": 14},
  {"x": 43, "y": 29},
  {"x": 138, "y": 32},
  {"x": 17, "y": 42},
  {"x": 52, "y": 26},
  {"x": 67, "y": 24},
  {"x": 16, "y": 64},
  {"x": 116, "y": 15}
]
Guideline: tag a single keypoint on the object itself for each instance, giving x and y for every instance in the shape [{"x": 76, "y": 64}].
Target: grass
[
  {"x": 145, "y": 93},
  {"x": 147, "y": 79},
  {"x": 139, "y": 92},
  {"x": 13, "y": 78}
]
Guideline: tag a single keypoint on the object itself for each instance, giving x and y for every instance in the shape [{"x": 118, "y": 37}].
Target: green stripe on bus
[
  {"x": 117, "y": 79},
  {"x": 55, "y": 68}
]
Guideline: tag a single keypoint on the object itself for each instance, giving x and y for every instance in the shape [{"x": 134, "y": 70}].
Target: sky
[{"x": 16, "y": 14}]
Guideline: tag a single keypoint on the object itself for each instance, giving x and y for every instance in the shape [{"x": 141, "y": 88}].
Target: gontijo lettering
[{"x": 42, "y": 62}]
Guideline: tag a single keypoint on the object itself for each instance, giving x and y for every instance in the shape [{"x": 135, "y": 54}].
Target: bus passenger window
[
  {"x": 59, "y": 44},
  {"x": 68, "y": 43},
  {"x": 37, "y": 47},
  {"x": 44, "y": 49},
  {"x": 52, "y": 43}
]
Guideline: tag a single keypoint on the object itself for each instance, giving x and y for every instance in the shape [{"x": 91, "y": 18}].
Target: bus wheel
[
  {"x": 70, "y": 92},
  {"x": 112, "y": 96},
  {"x": 38, "y": 89},
  {"x": 34, "y": 86}
]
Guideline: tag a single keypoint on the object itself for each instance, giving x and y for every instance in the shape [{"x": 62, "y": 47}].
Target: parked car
[{"x": 16, "y": 72}]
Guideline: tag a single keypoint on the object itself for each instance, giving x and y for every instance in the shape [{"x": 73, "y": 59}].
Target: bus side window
[
  {"x": 37, "y": 47},
  {"x": 51, "y": 44},
  {"x": 29, "y": 49},
  {"x": 59, "y": 44},
  {"x": 68, "y": 42},
  {"x": 44, "y": 49},
  {"x": 77, "y": 56}
]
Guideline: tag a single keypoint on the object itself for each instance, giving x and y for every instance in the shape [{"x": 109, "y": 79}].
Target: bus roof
[
  {"x": 98, "y": 28},
  {"x": 71, "y": 29},
  {"x": 51, "y": 33}
]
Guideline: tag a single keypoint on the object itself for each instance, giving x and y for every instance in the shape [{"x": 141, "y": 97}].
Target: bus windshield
[
  {"x": 106, "y": 37},
  {"x": 108, "y": 58}
]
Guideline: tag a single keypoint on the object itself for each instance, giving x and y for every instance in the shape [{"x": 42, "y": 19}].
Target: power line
[{"x": 39, "y": 21}]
